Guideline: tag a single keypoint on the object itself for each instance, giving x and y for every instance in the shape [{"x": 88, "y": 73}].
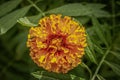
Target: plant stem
[
  {"x": 85, "y": 66},
  {"x": 101, "y": 62},
  {"x": 34, "y": 5}
]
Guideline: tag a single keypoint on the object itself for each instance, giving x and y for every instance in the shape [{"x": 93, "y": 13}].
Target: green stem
[
  {"x": 100, "y": 64},
  {"x": 34, "y": 5},
  {"x": 85, "y": 66}
]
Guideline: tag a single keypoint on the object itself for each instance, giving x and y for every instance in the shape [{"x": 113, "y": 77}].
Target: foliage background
[{"x": 101, "y": 19}]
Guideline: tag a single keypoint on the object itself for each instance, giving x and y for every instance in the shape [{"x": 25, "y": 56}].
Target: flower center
[{"x": 56, "y": 44}]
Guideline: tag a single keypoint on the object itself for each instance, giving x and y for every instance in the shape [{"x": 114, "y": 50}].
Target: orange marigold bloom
[{"x": 57, "y": 44}]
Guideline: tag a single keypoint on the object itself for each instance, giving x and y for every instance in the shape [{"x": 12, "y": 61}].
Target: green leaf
[
  {"x": 96, "y": 5},
  {"x": 98, "y": 30},
  {"x": 96, "y": 11},
  {"x": 90, "y": 50},
  {"x": 44, "y": 75},
  {"x": 98, "y": 49},
  {"x": 85, "y": 66},
  {"x": 35, "y": 19},
  {"x": 100, "y": 77},
  {"x": 25, "y": 22},
  {"x": 90, "y": 43},
  {"x": 37, "y": 75},
  {"x": 8, "y": 21},
  {"x": 78, "y": 9},
  {"x": 115, "y": 67},
  {"x": 83, "y": 19},
  {"x": 90, "y": 55},
  {"x": 8, "y": 6},
  {"x": 107, "y": 32},
  {"x": 100, "y": 13},
  {"x": 73, "y": 77},
  {"x": 116, "y": 54},
  {"x": 18, "y": 43}
]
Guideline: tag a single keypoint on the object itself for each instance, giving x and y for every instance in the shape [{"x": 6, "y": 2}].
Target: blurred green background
[{"x": 101, "y": 19}]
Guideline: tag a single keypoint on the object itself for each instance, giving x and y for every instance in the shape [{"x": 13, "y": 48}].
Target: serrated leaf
[
  {"x": 98, "y": 30},
  {"x": 78, "y": 9},
  {"x": 115, "y": 67},
  {"x": 25, "y": 22},
  {"x": 90, "y": 55},
  {"x": 100, "y": 77},
  {"x": 8, "y": 6},
  {"x": 10, "y": 20}
]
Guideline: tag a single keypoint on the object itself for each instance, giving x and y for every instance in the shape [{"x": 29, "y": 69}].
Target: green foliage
[
  {"x": 35, "y": 19},
  {"x": 116, "y": 54},
  {"x": 53, "y": 76},
  {"x": 25, "y": 22},
  {"x": 8, "y": 6},
  {"x": 115, "y": 67},
  {"x": 6, "y": 24},
  {"x": 50, "y": 76},
  {"x": 102, "y": 55},
  {"x": 98, "y": 30},
  {"x": 100, "y": 77},
  {"x": 78, "y": 9},
  {"x": 90, "y": 50}
]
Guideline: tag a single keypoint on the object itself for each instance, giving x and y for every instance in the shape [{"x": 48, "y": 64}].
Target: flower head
[{"x": 57, "y": 44}]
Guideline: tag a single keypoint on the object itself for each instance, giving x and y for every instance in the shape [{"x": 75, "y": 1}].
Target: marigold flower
[{"x": 57, "y": 44}]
